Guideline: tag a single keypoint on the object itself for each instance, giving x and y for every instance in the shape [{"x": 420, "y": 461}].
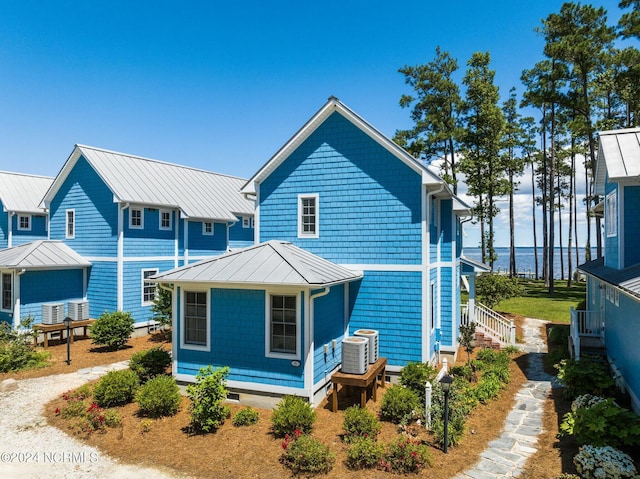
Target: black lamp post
[
  {"x": 67, "y": 323},
  {"x": 445, "y": 383}
]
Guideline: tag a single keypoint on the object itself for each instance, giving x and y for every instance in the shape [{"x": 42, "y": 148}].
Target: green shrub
[
  {"x": 246, "y": 417},
  {"x": 160, "y": 396},
  {"x": 16, "y": 348},
  {"x": 116, "y": 388},
  {"x": 364, "y": 453},
  {"x": 150, "y": 363},
  {"x": 360, "y": 423},
  {"x": 558, "y": 335},
  {"x": 406, "y": 455},
  {"x": 585, "y": 376},
  {"x": 487, "y": 388},
  {"x": 488, "y": 357},
  {"x": 604, "y": 463},
  {"x": 112, "y": 329},
  {"x": 602, "y": 423},
  {"x": 399, "y": 404},
  {"x": 304, "y": 454},
  {"x": 415, "y": 375},
  {"x": 467, "y": 339},
  {"x": 207, "y": 395},
  {"x": 461, "y": 402},
  {"x": 464, "y": 371},
  {"x": 290, "y": 414},
  {"x": 493, "y": 288},
  {"x": 554, "y": 356}
]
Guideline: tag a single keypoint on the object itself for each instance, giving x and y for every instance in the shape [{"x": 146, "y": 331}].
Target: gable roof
[
  {"x": 275, "y": 263},
  {"x": 627, "y": 279},
  {"x": 143, "y": 181},
  {"x": 22, "y": 193},
  {"x": 335, "y": 105},
  {"x": 472, "y": 266},
  {"x": 43, "y": 254},
  {"x": 618, "y": 157}
]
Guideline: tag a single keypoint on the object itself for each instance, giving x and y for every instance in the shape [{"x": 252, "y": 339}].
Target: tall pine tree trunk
[
  {"x": 512, "y": 244},
  {"x": 571, "y": 201},
  {"x": 533, "y": 214}
]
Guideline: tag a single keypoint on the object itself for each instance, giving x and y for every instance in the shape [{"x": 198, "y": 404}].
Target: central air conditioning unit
[
  {"x": 355, "y": 355},
  {"x": 52, "y": 313},
  {"x": 372, "y": 335},
  {"x": 79, "y": 310}
]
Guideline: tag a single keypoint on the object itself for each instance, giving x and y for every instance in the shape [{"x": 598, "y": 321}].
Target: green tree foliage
[
  {"x": 162, "y": 306},
  {"x": 493, "y": 288},
  {"x": 150, "y": 363},
  {"x": 207, "y": 396},
  {"x": 16, "y": 348},
  {"x": 112, "y": 329},
  {"x": 629, "y": 23},
  {"x": 291, "y": 414}
]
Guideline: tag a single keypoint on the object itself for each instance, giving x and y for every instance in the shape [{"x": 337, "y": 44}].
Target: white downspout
[
  {"x": 176, "y": 241},
  {"x": 10, "y": 230},
  {"x": 310, "y": 342},
  {"x": 186, "y": 241},
  {"x": 16, "y": 296}
]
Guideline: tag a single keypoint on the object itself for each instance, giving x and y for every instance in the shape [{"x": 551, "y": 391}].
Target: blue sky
[{"x": 222, "y": 85}]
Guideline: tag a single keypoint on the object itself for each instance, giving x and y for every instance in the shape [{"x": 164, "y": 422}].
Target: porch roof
[
  {"x": 277, "y": 263},
  {"x": 472, "y": 266},
  {"x": 627, "y": 279},
  {"x": 42, "y": 255}
]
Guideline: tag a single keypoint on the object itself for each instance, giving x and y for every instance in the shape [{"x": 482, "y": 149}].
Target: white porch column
[{"x": 472, "y": 298}]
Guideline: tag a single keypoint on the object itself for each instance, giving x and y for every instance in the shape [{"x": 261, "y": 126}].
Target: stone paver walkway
[{"x": 506, "y": 456}]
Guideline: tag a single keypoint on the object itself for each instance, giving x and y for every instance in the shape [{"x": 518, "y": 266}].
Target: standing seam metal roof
[
  {"x": 22, "y": 193},
  {"x": 43, "y": 254},
  {"x": 271, "y": 263},
  {"x": 618, "y": 156},
  {"x": 627, "y": 279}
]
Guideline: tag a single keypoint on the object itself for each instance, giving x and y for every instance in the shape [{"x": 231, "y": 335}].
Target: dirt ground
[{"x": 247, "y": 452}]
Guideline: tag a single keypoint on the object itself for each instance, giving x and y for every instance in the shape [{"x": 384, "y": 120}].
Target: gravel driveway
[{"x": 29, "y": 448}]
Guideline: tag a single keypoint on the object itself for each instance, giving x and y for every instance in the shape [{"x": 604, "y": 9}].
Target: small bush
[
  {"x": 290, "y": 414},
  {"x": 585, "y": 376},
  {"x": 112, "y": 329},
  {"x": 116, "y": 388},
  {"x": 16, "y": 348},
  {"x": 558, "y": 335},
  {"x": 304, "y": 454},
  {"x": 465, "y": 372},
  {"x": 364, "y": 453},
  {"x": 160, "y": 396},
  {"x": 603, "y": 463},
  {"x": 406, "y": 455},
  {"x": 360, "y": 423},
  {"x": 207, "y": 395},
  {"x": 150, "y": 363},
  {"x": 246, "y": 417},
  {"x": 415, "y": 375},
  {"x": 488, "y": 388},
  {"x": 399, "y": 404},
  {"x": 493, "y": 288}
]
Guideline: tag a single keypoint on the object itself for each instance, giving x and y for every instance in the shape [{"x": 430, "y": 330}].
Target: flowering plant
[
  {"x": 603, "y": 463},
  {"x": 586, "y": 400}
]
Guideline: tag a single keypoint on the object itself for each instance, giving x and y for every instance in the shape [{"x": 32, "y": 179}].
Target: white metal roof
[
  {"x": 618, "y": 157},
  {"x": 42, "y": 254},
  {"x": 22, "y": 193},
  {"x": 272, "y": 263},
  {"x": 143, "y": 181}
]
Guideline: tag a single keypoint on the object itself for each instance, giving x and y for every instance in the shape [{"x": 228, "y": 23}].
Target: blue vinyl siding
[
  {"x": 435, "y": 307},
  {"x": 329, "y": 324},
  {"x": 132, "y": 300},
  {"x": 390, "y": 302},
  {"x": 96, "y": 215},
  {"x": 240, "y": 237},
  {"x": 56, "y": 286},
  {"x": 631, "y": 225},
  {"x": 446, "y": 307},
  {"x": 4, "y": 227},
  {"x": 369, "y": 201},
  {"x": 207, "y": 245},
  {"x": 150, "y": 240},
  {"x": 611, "y": 242},
  {"x": 237, "y": 339},
  {"x": 433, "y": 231},
  {"x": 446, "y": 230},
  {"x": 102, "y": 288},
  {"x": 38, "y": 230}
]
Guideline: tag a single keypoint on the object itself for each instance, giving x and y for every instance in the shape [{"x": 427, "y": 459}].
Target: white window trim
[
  {"x": 204, "y": 228},
  {"x": 302, "y": 234},
  {"x": 143, "y": 281},
  {"x": 10, "y": 309},
  {"x": 66, "y": 223},
  {"x": 247, "y": 221},
  {"x": 165, "y": 228},
  {"x": 611, "y": 215},
  {"x": 267, "y": 326},
  {"x": 131, "y": 225},
  {"x": 183, "y": 344},
  {"x": 29, "y": 219}
]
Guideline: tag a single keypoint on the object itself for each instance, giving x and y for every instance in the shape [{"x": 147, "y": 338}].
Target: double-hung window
[
  {"x": 195, "y": 321},
  {"x": 7, "y": 291},
  {"x": 247, "y": 222},
  {"x": 70, "y": 224},
  {"x": 283, "y": 325},
  {"x": 308, "y": 216},
  {"x": 611, "y": 214},
  {"x": 136, "y": 218},
  {"x": 165, "y": 219},
  {"x": 148, "y": 286},
  {"x": 24, "y": 222},
  {"x": 207, "y": 228}
]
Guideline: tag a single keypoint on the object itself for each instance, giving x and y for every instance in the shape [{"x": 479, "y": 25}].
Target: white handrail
[{"x": 495, "y": 324}]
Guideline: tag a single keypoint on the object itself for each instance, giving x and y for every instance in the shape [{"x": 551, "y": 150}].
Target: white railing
[
  {"x": 584, "y": 324},
  {"x": 501, "y": 328}
]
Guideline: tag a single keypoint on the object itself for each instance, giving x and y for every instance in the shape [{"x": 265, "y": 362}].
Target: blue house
[
  {"x": 612, "y": 318},
  {"x": 22, "y": 220},
  {"x": 132, "y": 217},
  {"x": 338, "y": 196}
]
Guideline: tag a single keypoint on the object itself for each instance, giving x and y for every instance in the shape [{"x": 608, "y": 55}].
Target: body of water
[{"x": 525, "y": 259}]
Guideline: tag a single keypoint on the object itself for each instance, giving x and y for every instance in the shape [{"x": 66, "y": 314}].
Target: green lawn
[{"x": 537, "y": 303}]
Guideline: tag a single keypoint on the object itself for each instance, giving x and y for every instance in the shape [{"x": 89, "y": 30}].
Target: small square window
[
  {"x": 247, "y": 222},
  {"x": 207, "y": 228},
  {"x": 24, "y": 222},
  {"x": 165, "y": 219},
  {"x": 136, "y": 218}
]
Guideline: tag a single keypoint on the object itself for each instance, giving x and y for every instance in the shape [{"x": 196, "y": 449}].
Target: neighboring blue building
[
  {"x": 22, "y": 220},
  {"x": 613, "y": 282},
  {"x": 132, "y": 217},
  {"x": 341, "y": 193}
]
